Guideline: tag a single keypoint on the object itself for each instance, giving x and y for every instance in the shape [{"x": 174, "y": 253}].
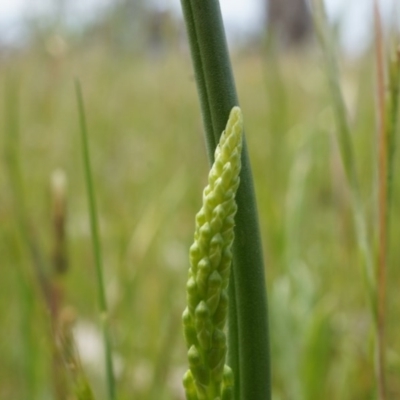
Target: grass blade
[
  {"x": 94, "y": 227},
  {"x": 393, "y": 117},
  {"x": 343, "y": 133},
  {"x": 382, "y": 203}
]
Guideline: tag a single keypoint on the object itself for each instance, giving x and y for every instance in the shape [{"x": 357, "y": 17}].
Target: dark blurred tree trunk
[{"x": 289, "y": 21}]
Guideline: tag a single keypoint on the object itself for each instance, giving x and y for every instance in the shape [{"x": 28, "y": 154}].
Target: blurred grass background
[{"x": 149, "y": 164}]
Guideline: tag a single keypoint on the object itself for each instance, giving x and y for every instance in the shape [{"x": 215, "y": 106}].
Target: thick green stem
[
  {"x": 211, "y": 141},
  {"x": 248, "y": 319}
]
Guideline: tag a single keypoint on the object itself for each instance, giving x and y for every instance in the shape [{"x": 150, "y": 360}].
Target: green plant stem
[
  {"x": 211, "y": 140},
  {"x": 17, "y": 189},
  {"x": 387, "y": 118},
  {"x": 346, "y": 151},
  {"x": 393, "y": 117},
  {"x": 12, "y": 157},
  {"x": 248, "y": 338},
  {"x": 102, "y": 301},
  {"x": 375, "y": 284},
  {"x": 382, "y": 204}
]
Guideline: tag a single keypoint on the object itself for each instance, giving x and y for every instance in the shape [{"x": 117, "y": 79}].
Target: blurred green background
[{"x": 150, "y": 166}]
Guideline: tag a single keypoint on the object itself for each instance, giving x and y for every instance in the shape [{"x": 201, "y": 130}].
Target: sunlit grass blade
[
  {"x": 94, "y": 227},
  {"x": 387, "y": 128},
  {"x": 18, "y": 193},
  {"x": 26, "y": 292},
  {"x": 382, "y": 202},
  {"x": 343, "y": 133},
  {"x": 387, "y": 120},
  {"x": 393, "y": 114}
]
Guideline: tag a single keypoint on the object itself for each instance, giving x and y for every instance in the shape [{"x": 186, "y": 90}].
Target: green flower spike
[{"x": 204, "y": 319}]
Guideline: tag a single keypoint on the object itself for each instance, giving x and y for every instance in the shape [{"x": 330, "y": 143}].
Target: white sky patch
[
  {"x": 240, "y": 16},
  {"x": 244, "y": 15}
]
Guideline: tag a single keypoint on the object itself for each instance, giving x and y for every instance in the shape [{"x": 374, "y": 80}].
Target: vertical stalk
[
  {"x": 382, "y": 203},
  {"x": 211, "y": 140},
  {"x": 59, "y": 268},
  {"x": 393, "y": 117},
  {"x": 102, "y": 301},
  {"x": 12, "y": 157},
  {"x": 347, "y": 152},
  {"x": 387, "y": 123},
  {"x": 18, "y": 192},
  {"x": 387, "y": 126},
  {"x": 248, "y": 338}
]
